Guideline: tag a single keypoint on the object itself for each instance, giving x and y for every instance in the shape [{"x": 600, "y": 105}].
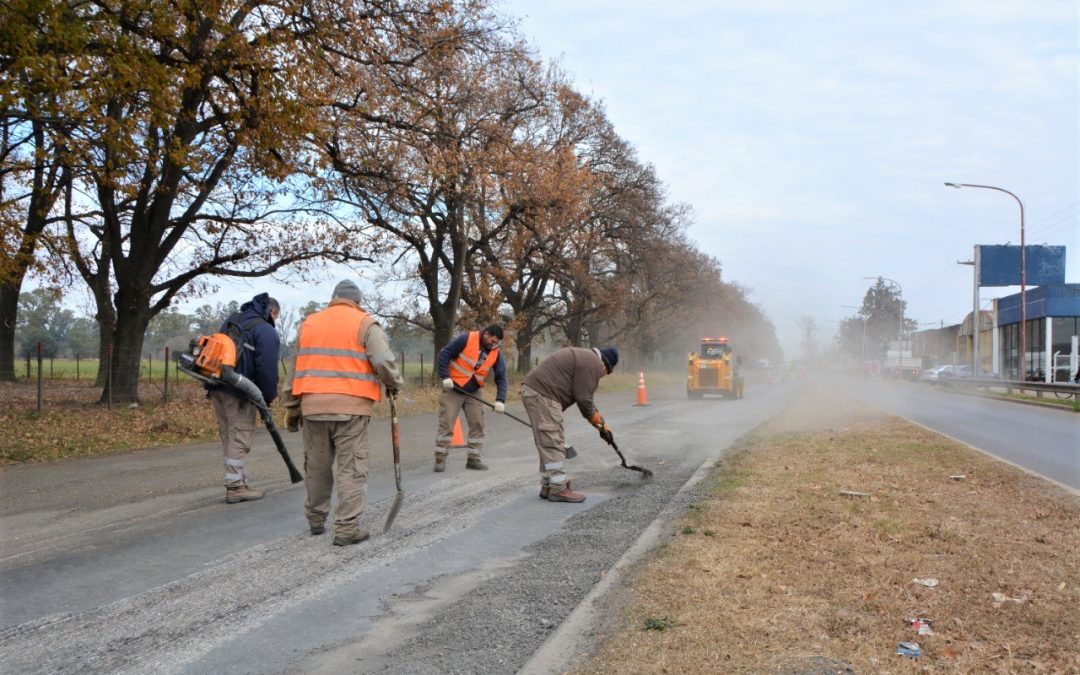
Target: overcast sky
[{"x": 812, "y": 137}]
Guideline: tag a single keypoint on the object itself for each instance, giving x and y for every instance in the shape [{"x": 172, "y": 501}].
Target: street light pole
[{"x": 1023, "y": 280}]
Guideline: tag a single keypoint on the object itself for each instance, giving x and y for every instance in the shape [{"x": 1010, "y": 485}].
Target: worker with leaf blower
[
  {"x": 567, "y": 376},
  {"x": 257, "y": 347},
  {"x": 465, "y": 364},
  {"x": 343, "y": 360}
]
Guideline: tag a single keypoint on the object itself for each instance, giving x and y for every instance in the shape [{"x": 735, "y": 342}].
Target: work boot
[
  {"x": 316, "y": 530},
  {"x": 440, "y": 462},
  {"x": 350, "y": 539},
  {"x": 242, "y": 493},
  {"x": 566, "y": 495},
  {"x": 474, "y": 463},
  {"x": 545, "y": 488}
]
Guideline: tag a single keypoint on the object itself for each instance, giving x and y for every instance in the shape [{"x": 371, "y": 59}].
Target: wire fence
[{"x": 160, "y": 370}]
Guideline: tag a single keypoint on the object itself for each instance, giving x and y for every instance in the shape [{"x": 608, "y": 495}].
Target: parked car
[
  {"x": 936, "y": 374},
  {"x": 964, "y": 372}
]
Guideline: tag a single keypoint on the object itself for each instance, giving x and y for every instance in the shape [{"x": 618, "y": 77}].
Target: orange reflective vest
[
  {"x": 466, "y": 365},
  {"x": 330, "y": 359}
]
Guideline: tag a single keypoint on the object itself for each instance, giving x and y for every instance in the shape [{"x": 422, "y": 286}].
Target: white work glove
[
  {"x": 500, "y": 407},
  {"x": 448, "y": 384}
]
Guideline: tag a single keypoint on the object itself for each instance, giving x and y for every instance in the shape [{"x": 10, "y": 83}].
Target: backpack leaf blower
[{"x": 211, "y": 359}]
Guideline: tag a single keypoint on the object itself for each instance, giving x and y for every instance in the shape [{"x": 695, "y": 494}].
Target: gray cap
[{"x": 348, "y": 290}]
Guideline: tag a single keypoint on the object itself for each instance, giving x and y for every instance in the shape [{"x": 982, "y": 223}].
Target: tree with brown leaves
[{"x": 187, "y": 135}]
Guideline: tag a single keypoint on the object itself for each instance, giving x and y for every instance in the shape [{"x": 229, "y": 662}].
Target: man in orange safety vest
[
  {"x": 465, "y": 365},
  {"x": 343, "y": 361}
]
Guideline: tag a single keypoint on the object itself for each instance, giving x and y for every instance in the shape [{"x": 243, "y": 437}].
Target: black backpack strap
[{"x": 242, "y": 330}]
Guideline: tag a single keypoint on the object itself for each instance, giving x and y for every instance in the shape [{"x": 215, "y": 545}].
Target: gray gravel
[{"x": 475, "y": 576}]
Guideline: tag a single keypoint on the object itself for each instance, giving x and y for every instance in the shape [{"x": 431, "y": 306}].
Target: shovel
[
  {"x": 645, "y": 473},
  {"x": 395, "y": 439},
  {"x": 569, "y": 449}
]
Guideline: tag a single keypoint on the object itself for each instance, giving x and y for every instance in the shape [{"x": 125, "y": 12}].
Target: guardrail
[{"x": 1059, "y": 390}]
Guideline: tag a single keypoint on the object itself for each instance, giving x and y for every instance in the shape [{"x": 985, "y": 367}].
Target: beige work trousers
[
  {"x": 236, "y": 427},
  {"x": 451, "y": 403},
  {"x": 341, "y": 448},
  {"x": 546, "y": 416}
]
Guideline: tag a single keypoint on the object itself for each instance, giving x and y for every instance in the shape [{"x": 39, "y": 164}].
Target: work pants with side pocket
[
  {"x": 339, "y": 447},
  {"x": 546, "y": 416},
  {"x": 236, "y": 427},
  {"x": 451, "y": 403}
]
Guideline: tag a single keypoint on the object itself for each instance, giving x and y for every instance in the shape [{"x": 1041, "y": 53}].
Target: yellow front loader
[{"x": 713, "y": 369}]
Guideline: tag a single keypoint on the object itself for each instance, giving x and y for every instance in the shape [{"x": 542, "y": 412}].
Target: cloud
[{"x": 812, "y": 139}]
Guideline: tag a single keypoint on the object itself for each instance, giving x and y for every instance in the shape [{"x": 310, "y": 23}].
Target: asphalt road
[
  {"x": 1043, "y": 440},
  {"x": 133, "y": 563}
]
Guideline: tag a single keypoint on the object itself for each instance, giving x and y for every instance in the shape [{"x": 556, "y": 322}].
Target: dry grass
[
  {"x": 73, "y": 424},
  {"x": 777, "y": 572}
]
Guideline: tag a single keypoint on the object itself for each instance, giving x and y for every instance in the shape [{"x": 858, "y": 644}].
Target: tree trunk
[
  {"x": 106, "y": 320},
  {"x": 9, "y": 306},
  {"x": 524, "y": 348},
  {"x": 127, "y": 340},
  {"x": 573, "y": 330},
  {"x": 443, "y": 333}
]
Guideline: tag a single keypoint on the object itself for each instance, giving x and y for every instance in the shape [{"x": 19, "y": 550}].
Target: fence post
[
  {"x": 76, "y": 366},
  {"x": 27, "y": 365},
  {"x": 51, "y": 360},
  {"x": 39, "y": 382},
  {"x": 423, "y": 373},
  {"x": 165, "y": 374}
]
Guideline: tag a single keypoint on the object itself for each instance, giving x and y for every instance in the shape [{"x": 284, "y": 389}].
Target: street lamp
[
  {"x": 1023, "y": 283},
  {"x": 900, "y": 352}
]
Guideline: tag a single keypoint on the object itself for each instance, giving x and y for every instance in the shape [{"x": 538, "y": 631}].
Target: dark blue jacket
[
  {"x": 451, "y": 351},
  {"x": 257, "y": 358}
]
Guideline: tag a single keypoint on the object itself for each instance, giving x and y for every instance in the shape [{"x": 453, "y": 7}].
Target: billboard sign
[{"x": 1000, "y": 265}]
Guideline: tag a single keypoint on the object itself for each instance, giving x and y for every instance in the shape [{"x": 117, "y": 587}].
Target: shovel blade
[
  {"x": 394, "y": 508},
  {"x": 570, "y": 451}
]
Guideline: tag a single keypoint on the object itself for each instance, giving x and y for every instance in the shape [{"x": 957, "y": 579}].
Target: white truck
[{"x": 901, "y": 364}]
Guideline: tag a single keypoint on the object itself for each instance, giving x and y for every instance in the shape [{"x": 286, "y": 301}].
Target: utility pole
[
  {"x": 1023, "y": 278},
  {"x": 974, "y": 312}
]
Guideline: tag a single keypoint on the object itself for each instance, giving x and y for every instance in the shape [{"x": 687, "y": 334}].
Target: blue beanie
[{"x": 610, "y": 355}]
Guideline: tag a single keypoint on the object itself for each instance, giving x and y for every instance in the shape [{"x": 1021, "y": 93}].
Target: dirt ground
[{"x": 780, "y": 569}]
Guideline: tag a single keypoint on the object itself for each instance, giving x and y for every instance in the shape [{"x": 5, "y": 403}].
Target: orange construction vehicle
[{"x": 713, "y": 369}]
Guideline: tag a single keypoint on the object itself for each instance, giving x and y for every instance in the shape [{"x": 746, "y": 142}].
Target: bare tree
[{"x": 808, "y": 328}]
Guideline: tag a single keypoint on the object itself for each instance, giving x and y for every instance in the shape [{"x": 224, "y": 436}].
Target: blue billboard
[{"x": 1000, "y": 265}]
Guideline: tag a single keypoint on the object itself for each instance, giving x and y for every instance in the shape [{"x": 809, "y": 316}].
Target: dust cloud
[{"x": 826, "y": 401}]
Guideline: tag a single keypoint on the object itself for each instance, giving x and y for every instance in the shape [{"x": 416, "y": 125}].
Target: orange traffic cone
[
  {"x": 642, "y": 397},
  {"x": 458, "y": 441}
]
